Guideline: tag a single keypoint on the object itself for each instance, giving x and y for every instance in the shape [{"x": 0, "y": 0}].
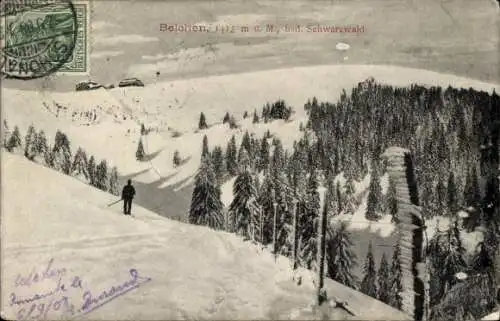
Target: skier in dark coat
[{"x": 128, "y": 193}]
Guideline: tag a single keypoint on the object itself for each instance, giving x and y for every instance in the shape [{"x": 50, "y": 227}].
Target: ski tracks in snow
[{"x": 83, "y": 243}]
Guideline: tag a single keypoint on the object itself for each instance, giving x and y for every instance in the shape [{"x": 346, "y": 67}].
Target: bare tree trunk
[
  {"x": 275, "y": 251},
  {"x": 497, "y": 272},
  {"x": 261, "y": 223},
  {"x": 322, "y": 297},
  {"x": 295, "y": 234}
]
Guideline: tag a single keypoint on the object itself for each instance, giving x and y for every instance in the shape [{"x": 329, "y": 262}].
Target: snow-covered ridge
[{"x": 195, "y": 272}]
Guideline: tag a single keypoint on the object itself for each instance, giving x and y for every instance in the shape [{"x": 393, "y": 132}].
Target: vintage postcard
[{"x": 250, "y": 160}]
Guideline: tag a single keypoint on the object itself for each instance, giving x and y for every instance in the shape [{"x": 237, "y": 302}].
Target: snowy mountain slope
[
  {"x": 106, "y": 123},
  {"x": 176, "y": 105},
  {"x": 182, "y": 271}
]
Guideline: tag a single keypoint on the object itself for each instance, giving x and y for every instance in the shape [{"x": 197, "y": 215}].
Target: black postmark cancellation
[{"x": 39, "y": 37}]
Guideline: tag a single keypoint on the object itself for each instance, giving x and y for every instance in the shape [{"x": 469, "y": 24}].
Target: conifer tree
[
  {"x": 341, "y": 256},
  {"x": 265, "y": 112},
  {"x": 204, "y": 149},
  {"x": 226, "y": 118},
  {"x": 246, "y": 146},
  {"x": 62, "y": 153},
  {"x": 246, "y": 143},
  {"x": 202, "y": 123},
  {"x": 232, "y": 123},
  {"x": 436, "y": 249},
  {"x": 206, "y": 206},
  {"x": 266, "y": 201},
  {"x": 384, "y": 286},
  {"x": 143, "y": 130},
  {"x": 453, "y": 258},
  {"x": 428, "y": 204},
  {"x": 14, "y": 140},
  {"x": 309, "y": 223},
  {"x": 231, "y": 157},
  {"x": 255, "y": 119},
  {"x": 257, "y": 183},
  {"x": 374, "y": 196},
  {"x": 284, "y": 217},
  {"x": 491, "y": 202},
  {"x": 49, "y": 157},
  {"x": 218, "y": 163},
  {"x": 91, "y": 170},
  {"x": 79, "y": 167},
  {"x": 472, "y": 194},
  {"x": 446, "y": 254},
  {"x": 30, "y": 143},
  {"x": 41, "y": 143},
  {"x": 263, "y": 155},
  {"x": 254, "y": 149},
  {"x": 392, "y": 201},
  {"x": 139, "y": 154},
  {"x": 483, "y": 260},
  {"x": 369, "y": 282},
  {"x": 65, "y": 161},
  {"x": 349, "y": 201},
  {"x": 330, "y": 192},
  {"x": 396, "y": 280},
  {"x": 278, "y": 158},
  {"x": 177, "y": 158},
  {"x": 245, "y": 115},
  {"x": 452, "y": 201},
  {"x": 483, "y": 263},
  {"x": 101, "y": 176},
  {"x": 244, "y": 162},
  {"x": 298, "y": 183},
  {"x": 441, "y": 197},
  {"x": 245, "y": 211},
  {"x": 114, "y": 188},
  {"x": 61, "y": 141}
]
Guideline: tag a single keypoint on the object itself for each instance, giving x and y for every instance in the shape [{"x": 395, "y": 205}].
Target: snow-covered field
[
  {"x": 111, "y": 128},
  {"x": 61, "y": 229}
]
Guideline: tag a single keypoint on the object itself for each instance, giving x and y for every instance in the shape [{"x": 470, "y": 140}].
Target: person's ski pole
[{"x": 114, "y": 203}]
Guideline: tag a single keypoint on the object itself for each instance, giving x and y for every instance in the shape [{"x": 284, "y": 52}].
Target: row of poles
[{"x": 321, "y": 293}]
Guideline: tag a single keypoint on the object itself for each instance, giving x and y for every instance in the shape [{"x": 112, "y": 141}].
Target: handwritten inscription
[
  {"x": 63, "y": 298},
  {"x": 92, "y": 302},
  {"x": 17, "y": 300},
  {"x": 35, "y": 277}
]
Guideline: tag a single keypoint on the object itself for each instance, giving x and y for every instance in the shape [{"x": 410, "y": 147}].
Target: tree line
[
  {"x": 276, "y": 203},
  {"x": 282, "y": 212},
  {"x": 453, "y": 135},
  {"x": 59, "y": 156}
]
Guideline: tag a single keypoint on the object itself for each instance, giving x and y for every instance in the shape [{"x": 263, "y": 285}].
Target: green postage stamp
[
  {"x": 42, "y": 37},
  {"x": 79, "y": 60}
]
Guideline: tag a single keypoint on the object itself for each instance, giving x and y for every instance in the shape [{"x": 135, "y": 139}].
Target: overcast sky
[{"x": 459, "y": 37}]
